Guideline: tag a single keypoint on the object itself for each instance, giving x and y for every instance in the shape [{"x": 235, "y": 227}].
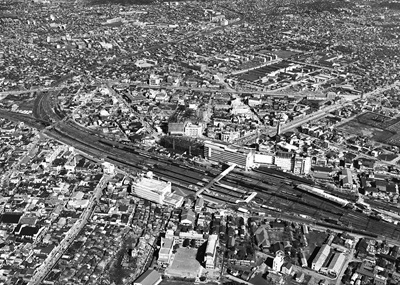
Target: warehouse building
[{"x": 320, "y": 258}]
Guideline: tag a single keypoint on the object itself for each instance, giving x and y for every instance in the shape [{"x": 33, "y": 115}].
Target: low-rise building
[
  {"x": 165, "y": 253},
  {"x": 211, "y": 251}
]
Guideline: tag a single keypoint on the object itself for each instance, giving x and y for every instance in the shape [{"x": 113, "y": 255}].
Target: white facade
[
  {"x": 242, "y": 157},
  {"x": 302, "y": 165},
  {"x": 264, "y": 158},
  {"x": 164, "y": 256},
  {"x": 192, "y": 130},
  {"x": 151, "y": 189},
  {"x": 278, "y": 261},
  {"x": 284, "y": 161},
  {"x": 320, "y": 257},
  {"x": 336, "y": 263},
  {"x": 211, "y": 251}
]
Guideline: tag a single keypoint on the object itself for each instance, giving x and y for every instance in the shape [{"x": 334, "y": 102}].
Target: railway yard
[{"x": 278, "y": 193}]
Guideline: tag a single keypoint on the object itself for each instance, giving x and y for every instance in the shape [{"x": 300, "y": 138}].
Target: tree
[{"x": 186, "y": 242}]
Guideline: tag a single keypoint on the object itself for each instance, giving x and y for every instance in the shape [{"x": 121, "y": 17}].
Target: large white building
[
  {"x": 193, "y": 130},
  {"x": 320, "y": 257},
  {"x": 284, "y": 160},
  {"x": 302, "y": 165},
  {"x": 336, "y": 263},
  {"x": 211, "y": 251},
  {"x": 219, "y": 152},
  {"x": 151, "y": 189},
  {"x": 164, "y": 256},
  {"x": 278, "y": 261}
]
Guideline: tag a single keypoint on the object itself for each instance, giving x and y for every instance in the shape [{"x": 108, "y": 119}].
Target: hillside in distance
[{"x": 121, "y": 2}]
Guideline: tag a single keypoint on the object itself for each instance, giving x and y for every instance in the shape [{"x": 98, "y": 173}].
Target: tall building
[
  {"x": 302, "y": 165},
  {"x": 151, "y": 189},
  {"x": 222, "y": 153},
  {"x": 211, "y": 251},
  {"x": 284, "y": 160}
]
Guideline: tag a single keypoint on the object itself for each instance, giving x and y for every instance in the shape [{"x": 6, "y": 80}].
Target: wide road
[{"x": 51, "y": 260}]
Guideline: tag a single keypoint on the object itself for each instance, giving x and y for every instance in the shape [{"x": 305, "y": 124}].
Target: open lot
[
  {"x": 315, "y": 239},
  {"x": 377, "y": 127},
  {"x": 376, "y": 120},
  {"x": 184, "y": 264}
]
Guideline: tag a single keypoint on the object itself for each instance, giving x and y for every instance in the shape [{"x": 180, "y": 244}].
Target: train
[
  {"x": 271, "y": 208},
  {"x": 321, "y": 193}
]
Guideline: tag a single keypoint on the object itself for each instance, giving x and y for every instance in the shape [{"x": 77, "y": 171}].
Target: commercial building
[
  {"x": 150, "y": 277},
  {"x": 320, "y": 257},
  {"x": 211, "y": 251},
  {"x": 173, "y": 200},
  {"x": 284, "y": 160},
  {"x": 222, "y": 153},
  {"x": 193, "y": 130},
  {"x": 302, "y": 165},
  {"x": 264, "y": 158},
  {"x": 151, "y": 189}
]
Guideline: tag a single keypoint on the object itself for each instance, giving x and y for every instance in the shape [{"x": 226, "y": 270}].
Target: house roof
[
  {"x": 188, "y": 216},
  {"x": 262, "y": 237}
]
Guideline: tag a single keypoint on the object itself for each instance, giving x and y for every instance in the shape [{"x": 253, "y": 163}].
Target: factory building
[
  {"x": 222, "y": 153},
  {"x": 336, "y": 264},
  {"x": 211, "y": 251},
  {"x": 320, "y": 257},
  {"x": 151, "y": 189}
]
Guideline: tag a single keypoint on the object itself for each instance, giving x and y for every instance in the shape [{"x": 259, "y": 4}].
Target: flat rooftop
[{"x": 154, "y": 185}]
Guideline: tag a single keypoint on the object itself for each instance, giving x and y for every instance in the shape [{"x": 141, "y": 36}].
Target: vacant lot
[
  {"x": 354, "y": 127},
  {"x": 377, "y": 127},
  {"x": 376, "y": 120}
]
